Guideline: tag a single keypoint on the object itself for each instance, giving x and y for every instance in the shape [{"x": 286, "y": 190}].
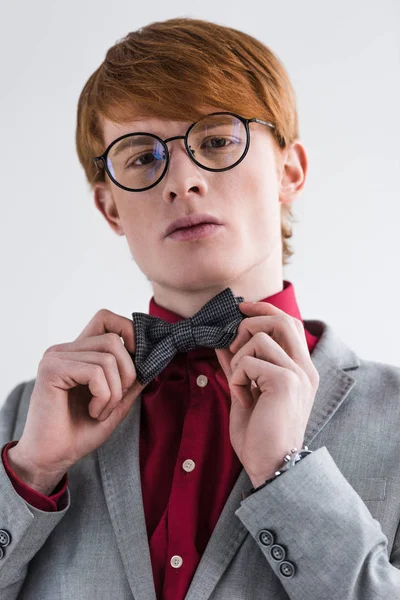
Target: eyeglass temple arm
[
  {"x": 254, "y": 120},
  {"x": 98, "y": 161}
]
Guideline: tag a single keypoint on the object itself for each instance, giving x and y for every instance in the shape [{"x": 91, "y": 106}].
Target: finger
[
  {"x": 262, "y": 346},
  {"x": 105, "y": 402},
  {"x": 121, "y": 410},
  {"x": 106, "y": 321},
  {"x": 225, "y": 356},
  {"x": 242, "y": 388},
  {"x": 251, "y": 368},
  {"x": 282, "y": 330},
  {"x": 267, "y": 309},
  {"x": 109, "y": 343},
  {"x": 255, "y": 391},
  {"x": 66, "y": 374}
]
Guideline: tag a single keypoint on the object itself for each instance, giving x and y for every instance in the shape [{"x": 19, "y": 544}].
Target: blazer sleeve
[
  {"x": 23, "y": 528},
  {"x": 319, "y": 537}
]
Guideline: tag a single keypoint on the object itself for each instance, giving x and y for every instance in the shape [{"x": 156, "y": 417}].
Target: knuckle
[
  {"x": 245, "y": 360},
  {"x": 109, "y": 359},
  {"x": 261, "y": 335},
  {"x": 315, "y": 377},
  {"x": 113, "y": 341},
  {"x": 101, "y": 314},
  {"x": 48, "y": 370},
  {"x": 131, "y": 379},
  {"x": 53, "y": 348},
  {"x": 97, "y": 371},
  {"x": 290, "y": 378},
  {"x": 287, "y": 319},
  {"x": 44, "y": 366},
  {"x": 282, "y": 317}
]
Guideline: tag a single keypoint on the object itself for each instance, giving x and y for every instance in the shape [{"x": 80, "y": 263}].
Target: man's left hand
[{"x": 269, "y": 418}]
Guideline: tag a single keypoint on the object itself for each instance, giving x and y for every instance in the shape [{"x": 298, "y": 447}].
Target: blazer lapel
[
  {"x": 120, "y": 474},
  {"x": 332, "y": 359}
]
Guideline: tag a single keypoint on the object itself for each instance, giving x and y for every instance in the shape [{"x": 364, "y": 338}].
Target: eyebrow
[
  {"x": 129, "y": 142},
  {"x": 137, "y": 140}
]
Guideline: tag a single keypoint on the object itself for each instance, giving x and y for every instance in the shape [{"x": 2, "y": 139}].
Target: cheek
[
  {"x": 137, "y": 225},
  {"x": 263, "y": 213},
  {"x": 135, "y": 216},
  {"x": 256, "y": 175},
  {"x": 139, "y": 234},
  {"x": 256, "y": 193}
]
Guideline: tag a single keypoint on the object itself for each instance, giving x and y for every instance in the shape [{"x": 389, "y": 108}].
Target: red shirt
[{"x": 187, "y": 463}]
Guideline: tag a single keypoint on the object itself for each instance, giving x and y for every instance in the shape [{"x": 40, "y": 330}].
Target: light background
[{"x": 60, "y": 261}]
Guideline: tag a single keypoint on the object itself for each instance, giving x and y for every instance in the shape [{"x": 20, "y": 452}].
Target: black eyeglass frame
[{"x": 102, "y": 159}]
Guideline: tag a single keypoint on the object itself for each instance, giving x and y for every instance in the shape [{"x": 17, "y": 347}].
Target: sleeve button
[
  {"x": 287, "y": 569},
  {"x": 266, "y": 537},
  {"x": 5, "y": 538},
  {"x": 277, "y": 552}
]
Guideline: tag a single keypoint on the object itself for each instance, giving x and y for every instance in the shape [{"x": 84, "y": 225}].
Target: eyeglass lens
[{"x": 215, "y": 142}]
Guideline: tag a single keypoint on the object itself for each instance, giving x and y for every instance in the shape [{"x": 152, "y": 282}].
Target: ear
[
  {"x": 104, "y": 201},
  {"x": 293, "y": 171}
]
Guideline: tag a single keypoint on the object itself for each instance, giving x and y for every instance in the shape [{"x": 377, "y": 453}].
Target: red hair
[{"x": 168, "y": 68}]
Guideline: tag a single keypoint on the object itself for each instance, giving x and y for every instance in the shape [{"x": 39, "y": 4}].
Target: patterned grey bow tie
[{"x": 157, "y": 341}]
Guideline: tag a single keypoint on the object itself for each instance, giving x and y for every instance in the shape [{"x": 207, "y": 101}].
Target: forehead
[
  {"x": 157, "y": 125},
  {"x": 113, "y": 130}
]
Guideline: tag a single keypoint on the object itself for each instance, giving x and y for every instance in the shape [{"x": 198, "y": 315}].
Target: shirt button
[
  {"x": 176, "y": 561},
  {"x": 202, "y": 381},
  {"x": 189, "y": 465},
  {"x": 1, "y": 552}
]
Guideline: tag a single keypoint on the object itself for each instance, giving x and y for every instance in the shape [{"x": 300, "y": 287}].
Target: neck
[{"x": 254, "y": 285}]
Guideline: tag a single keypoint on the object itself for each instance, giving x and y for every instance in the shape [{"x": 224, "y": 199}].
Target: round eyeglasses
[{"x": 138, "y": 161}]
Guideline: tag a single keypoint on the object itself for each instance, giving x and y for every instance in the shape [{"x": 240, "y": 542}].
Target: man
[{"x": 245, "y": 453}]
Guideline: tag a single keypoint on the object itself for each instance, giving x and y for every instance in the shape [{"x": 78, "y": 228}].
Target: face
[{"x": 245, "y": 252}]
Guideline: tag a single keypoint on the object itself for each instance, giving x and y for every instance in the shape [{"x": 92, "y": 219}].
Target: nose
[{"x": 183, "y": 176}]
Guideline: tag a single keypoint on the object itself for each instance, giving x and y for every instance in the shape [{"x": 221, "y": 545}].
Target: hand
[
  {"x": 83, "y": 390},
  {"x": 273, "y": 384}
]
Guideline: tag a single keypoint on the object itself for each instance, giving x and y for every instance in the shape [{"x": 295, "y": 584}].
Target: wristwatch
[{"x": 289, "y": 461}]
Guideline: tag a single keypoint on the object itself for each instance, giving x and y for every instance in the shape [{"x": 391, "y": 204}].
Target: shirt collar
[{"x": 285, "y": 300}]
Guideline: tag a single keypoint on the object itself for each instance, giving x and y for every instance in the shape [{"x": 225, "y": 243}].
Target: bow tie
[{"x": 215, "y": 326}]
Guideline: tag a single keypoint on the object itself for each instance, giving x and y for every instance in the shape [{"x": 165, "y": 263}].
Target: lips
[
  {"x": 196, "y": 232},
  {"x": 191, "y": 226},
  {"x": 190, "y": 221}
]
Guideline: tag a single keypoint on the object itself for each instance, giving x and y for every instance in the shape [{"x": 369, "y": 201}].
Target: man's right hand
[{"x": 83, "y": 390}]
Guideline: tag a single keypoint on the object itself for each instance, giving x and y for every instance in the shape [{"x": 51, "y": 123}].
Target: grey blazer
[{"x": 335, "y": 516}]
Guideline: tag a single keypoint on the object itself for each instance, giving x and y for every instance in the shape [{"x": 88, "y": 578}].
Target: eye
[
  {"x": 147, "y": 158},
  {"x": 216, "y": 142}
]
